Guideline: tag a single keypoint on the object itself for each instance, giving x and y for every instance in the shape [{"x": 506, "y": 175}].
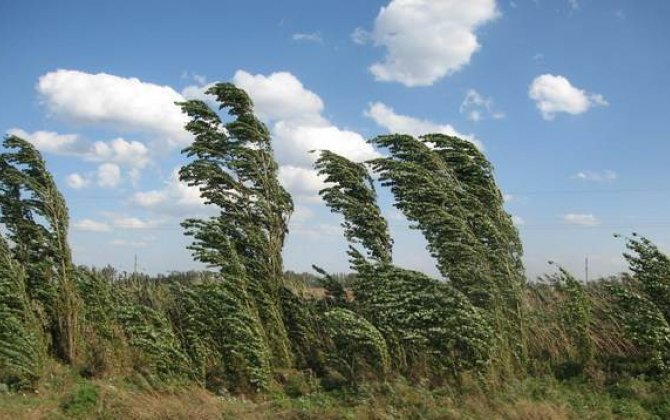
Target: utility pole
[
  {"x": 586, "y": 269},
  {"x": 135, "y": 266}
]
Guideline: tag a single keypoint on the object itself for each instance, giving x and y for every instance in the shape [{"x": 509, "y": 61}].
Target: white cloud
[
  {"x": 581, "y": 219},
  {"x": 49, "y": 141},
  {"x": 128, "y": 153},
  {"x": 426, "y": 40},
  {"x": 476, "y": 107},
  {"x": 304, "y": 184},
  {"x": 554, "y": 94},
  {"x": 89, "y": 225},
  {"x": 198, "y": 92},
  {"x": 295, "y": 141},
  {"x": 76, "y": 181},
  {"x": 177, "y": 198},
  {"x": 132, "y": 223},
  {"x": 386, "y": 117},
  {"x": 316, "y": 231},
  {"x": 308, "y": 37},
  {"x": 301, "y": 214},
  {"x": 123, "y": 103},
  {"x": 115, "y": 221},
  {"x": 574, "y": 4},
  {"x": 281, "y": 96},
  {"x": 595, "y": 176},
  {"x": 150, "y": 198},
  {"x": 109, "y": 175},
  {"x": 299, "y": 125},
  {"x": 360, "y": 36},
  {"x": 131, "y": 244}
]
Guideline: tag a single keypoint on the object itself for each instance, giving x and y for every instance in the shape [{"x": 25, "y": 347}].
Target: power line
[{"x": 593, "y": 191}]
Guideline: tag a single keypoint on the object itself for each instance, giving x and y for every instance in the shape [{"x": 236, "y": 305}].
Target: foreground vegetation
[
  {"x": 65, "y": 394},
  {"x": 247, "y": 339}
]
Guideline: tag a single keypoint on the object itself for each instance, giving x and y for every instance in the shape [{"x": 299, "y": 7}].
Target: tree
[
  {"x": 428, "y": 325},
  {"x": 22, "y": 351},
  {"x": 234, "y": 168},
  {"x": 445, "y": 186},
  {"x": 36, "y": 218},
  {"x": 352, "y": 193}
]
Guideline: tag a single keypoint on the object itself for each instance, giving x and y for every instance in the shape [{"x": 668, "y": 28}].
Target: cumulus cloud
[
  {"x": 386, "y": 117},
  {"x": 476, "y": 107},
  {"x": 295, "y": 141},
  {"x": 109, "y": 175},
  {"x": 76, "y": 181},
  {"x": 122, "y": 103},
  {"x": 128, "y": 153},
  {"x": 49, "y": 141},
  {"x": 580, "y": 219},
  {"x": 595, "y": 176},
  {"x": 303, "y": 183},
  {"x": 553, "y": 94},
  {"x": 426, "y": 40},
  {"x": 298, "y": 123},
  {"x": 280, "y": 97},
  {"x": 176, "y": 199}
]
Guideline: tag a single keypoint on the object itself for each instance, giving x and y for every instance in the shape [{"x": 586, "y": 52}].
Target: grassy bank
[{"x": 64, "y": 394}]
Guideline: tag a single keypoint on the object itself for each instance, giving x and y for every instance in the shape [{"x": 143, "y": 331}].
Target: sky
[{"x": 567, "y": 98}]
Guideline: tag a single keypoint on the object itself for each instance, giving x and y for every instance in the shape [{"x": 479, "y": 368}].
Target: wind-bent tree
[
  {"x": 651, "y": 268},
  {"x": 644, "y": 303},
  {"x": 34, "y": 213},
  {"x": 22, "y": 352},
  {"x": 445, "y": 186},
  {"x": 429, "y": 326},
  {"x": 234, "y": 168},
  {"x": 353, "y": 195}
]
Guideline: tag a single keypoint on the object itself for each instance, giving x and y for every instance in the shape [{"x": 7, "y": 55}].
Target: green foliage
[
  {"x": 82, "y": 399},
  {"x": 220, "y": 335},
  {"x": 22, "y": 350},
  {"x": 427, "y": 324},
  {"x": 352, "y": 193},
  {"x": 651, "y": 268},
  {"x": 575, "y": 314},
  {"x": 644, "y": 302},
  {"x": 445, "y": 186},
  {"x": 645, "y": 325},
  {"x": 431, "y": 327},
  {"x": 154, "y": 346},
  {"x": 105, "y": 347},
  {"x": 28, "y": 195},
  {"x": 234, "y": 329},
  {"x": 234, "y": 168},
  {"x": 358, "y": 347},
  {"x": 301, "y": 317}
]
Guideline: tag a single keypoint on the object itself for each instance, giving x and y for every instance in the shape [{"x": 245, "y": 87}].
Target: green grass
[{"x": 65, "y": 395}]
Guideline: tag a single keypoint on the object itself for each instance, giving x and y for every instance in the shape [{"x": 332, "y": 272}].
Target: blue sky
[{"x": 568, "y": 98}]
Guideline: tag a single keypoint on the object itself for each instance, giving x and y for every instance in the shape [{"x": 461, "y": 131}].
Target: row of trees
[{"x": 235, "y": 327}]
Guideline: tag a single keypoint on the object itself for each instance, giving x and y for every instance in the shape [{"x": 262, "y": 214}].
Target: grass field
[{"x": 64, "y": 394}]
